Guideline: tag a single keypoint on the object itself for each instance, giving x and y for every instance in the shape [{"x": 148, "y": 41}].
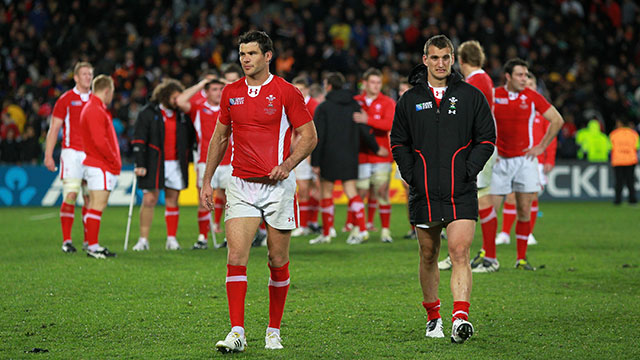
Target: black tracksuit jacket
[
  {"x": 148, "y": 146},
  {"x": 441, "y": 149}
]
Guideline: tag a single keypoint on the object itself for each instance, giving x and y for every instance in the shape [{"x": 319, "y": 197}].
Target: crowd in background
[{"x": 584, "y": 53}]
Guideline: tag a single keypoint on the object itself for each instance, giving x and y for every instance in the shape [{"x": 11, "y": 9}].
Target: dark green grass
[{"x": 345, "y": 302}]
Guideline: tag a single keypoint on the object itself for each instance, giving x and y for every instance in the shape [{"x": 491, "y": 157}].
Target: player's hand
[
  {"x": 360, "y": 117},
  {"x": 279, "y": 173},
  {"x": 208, "y": 78},
  {"x": 382, "y": 152},
  {"x": 546, "y": 168},
  {"x": 49, "y": 163},
  {"x": 206, "y": 196},
  {"x": 140, "y": 171},
  {"x": 534, "y": 152}
]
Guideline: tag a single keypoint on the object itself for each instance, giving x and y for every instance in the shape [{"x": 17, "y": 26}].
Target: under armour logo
[
  {"x": 290, "y": 219},
  {"x": 452, "y": 111},
  {"x": 253, "y": 92}
]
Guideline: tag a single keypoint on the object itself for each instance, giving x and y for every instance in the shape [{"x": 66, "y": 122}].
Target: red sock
[
  {"x": 357, "y": 206},
  {"x": 522, "y": 235},
  {"x": 92, "y": 220},
  {"x": 371, "y": 211},
  {"x": 218, "y": 206},
  {"x": 351, "y": 219},
  {"x": 385, "y": 216},
  {"x": 304, "y": 213},
  {"x": 327, "y": 215},
  {"x": 263, "y": 227},
  {"x": 204, "y": 217},
  {"x": 508, "y": 217},
  {"x": 489, "y": 224},
  {"x": 460, "y": 310},
  {"x": 433, "y": 309},
  {"x": 534, "y": 214},
  {"x": 314, "y": 207},
  {"x": 278, "y": 288},
  {"x": 84, "y": 225},
  {"x": 236, "y": 292},
  {"x": 66, "y": 219},
  {"x": 171, "y": 215}
]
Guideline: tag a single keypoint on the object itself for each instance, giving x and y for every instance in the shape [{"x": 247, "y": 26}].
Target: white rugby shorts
[
  {"x": 221, "y": 177},
  {"x": 98, "y": 179},
  {"x": 517, "y": 174},
  {"x": 276, "y": 203},
  {"x": 173, "y": 175},
  {"x": 373, "y": 173},
  {"x": 71, "y": 164},
  {"x": 304, "y": 171}
]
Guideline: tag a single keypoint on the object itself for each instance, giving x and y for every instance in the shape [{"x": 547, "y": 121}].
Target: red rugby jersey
[
  {"x": 100, "y": 140},
  {"x": 261, "y": 119},
  {"x": 483, "y": 82},
  {"x": 540, "y": 126},
  {"x": 170, "y": 146},
  {"x": 68, "y": 108},
  {"x": 380, "y": 114},
  {"x": 204, "y": 117},
  {"x": 515, "y": 114}
]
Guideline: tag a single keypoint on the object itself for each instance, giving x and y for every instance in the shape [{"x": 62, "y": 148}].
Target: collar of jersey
[
  {"x": 212, "y": 107},
  {"x": 83, "y": 97},
  {"x": 479, "y": 71},
  {"x": 259, "y": 86},
  {"x": 167, "y": 112}
]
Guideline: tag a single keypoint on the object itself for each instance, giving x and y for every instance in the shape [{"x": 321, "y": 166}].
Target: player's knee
[
  {"x": 149, "y": 200},
  {"x": 459, "y": 254},
  {"x": 429, "y": 254},
  {"x": 278, "y": 260},
  {"x": 70, "y": 190}
]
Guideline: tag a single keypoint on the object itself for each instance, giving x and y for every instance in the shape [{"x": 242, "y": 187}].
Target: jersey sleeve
[
  {"x": 194, "y": 110},
  {"x": 295, "y": 107},
  {"x": 224, "y": 117},
  {"x": 60, "y": 107},
  {"x": 541, "y": 103}
]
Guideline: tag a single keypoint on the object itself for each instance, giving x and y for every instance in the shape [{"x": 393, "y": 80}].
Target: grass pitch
[{"x": 345, "y": 302}]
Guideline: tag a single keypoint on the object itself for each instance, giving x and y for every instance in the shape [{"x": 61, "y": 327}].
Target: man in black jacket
[
  {"x": 336, "y": 155},
  {"x": 162, "y": 143},
  {"x": 443, "y": 134}
]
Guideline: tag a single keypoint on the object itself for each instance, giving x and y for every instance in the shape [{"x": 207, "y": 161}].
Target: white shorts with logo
[
  {"x": 173, "y": 175},
  {"x": 71, "y": 164},
  {"x": 221, "y": 177},
  {"x": 373, "y": 173},
  {"x": 517, "y": 174},
  {"x": 275, "y": 203},
  {"x": 98, "y": 179},
  {"x": 304, "y": 171}
]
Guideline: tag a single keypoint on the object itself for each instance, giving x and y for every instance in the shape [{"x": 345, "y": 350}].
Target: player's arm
[
  {"x": 215, "y": 153},
  {"x": 183, "y": 99},
  {"x": 308, "y": 139},
  {"x": 50, "y": 142},
  {"x": 401, "y": 142},
  {"x": 140, "y": 142},
  {"x": 555, "y": 119},
  {"x": 484, "y": 136},
  {"x": 384, "y": 123}
]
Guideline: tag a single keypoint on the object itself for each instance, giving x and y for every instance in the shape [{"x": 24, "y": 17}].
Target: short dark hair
[
  {"x": 336, "y": 80},
  {"x": 212, "y": 82},
  {"x": 162, "y": 93},
  {"x": 439, "y": 41},
  {"x": 512, "y": 63},
  {"x": 260, "y": 37},
  {"x": 370, "y": 72},
  {"x": 233, "y": 68}
]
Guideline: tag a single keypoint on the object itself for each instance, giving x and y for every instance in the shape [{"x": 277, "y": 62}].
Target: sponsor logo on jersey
[
  {"x": 236, "y": 101},
  {"x": 207, "y": 111},
  {"x": 76, "y": 103},
  {"x": 502, "y": 101},
  {"x": 424, "y": 106}
]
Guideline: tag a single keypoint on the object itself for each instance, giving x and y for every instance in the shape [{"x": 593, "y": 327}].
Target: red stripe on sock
[
  {"x": 522, "y": 234},
  {"x": 508, "y": 217},
  {"x": 385, "y": 216},
  {"x": 203, "y": 222},
  {"x": 66, "y": 220},
  {"x": 371, "y": 210},
  {"x": 460, "y": 310},
  {"x": 94, "y": 218},
  {"x": 534, "y": 215},
  {"x": 327, "y": 215},
  {"x": 489, "y": 229},
  {"x": 171, "y": 220}
]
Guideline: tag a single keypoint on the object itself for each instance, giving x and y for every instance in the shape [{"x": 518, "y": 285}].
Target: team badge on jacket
[{"x": 452, "y": 105}]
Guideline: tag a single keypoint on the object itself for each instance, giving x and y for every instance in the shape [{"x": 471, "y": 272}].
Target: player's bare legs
[
  {"x": 326, "y": 207},
  {"x": 460, "y": 235},
  {"x": 381, "y": 189},
  {"x": 149, "y": 201},
  {"x": 429, "y": 247},
  {"x": 240, "y": 233}
]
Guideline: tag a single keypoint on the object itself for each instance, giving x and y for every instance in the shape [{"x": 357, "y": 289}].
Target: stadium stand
[{"x": 584, "y": 52}]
